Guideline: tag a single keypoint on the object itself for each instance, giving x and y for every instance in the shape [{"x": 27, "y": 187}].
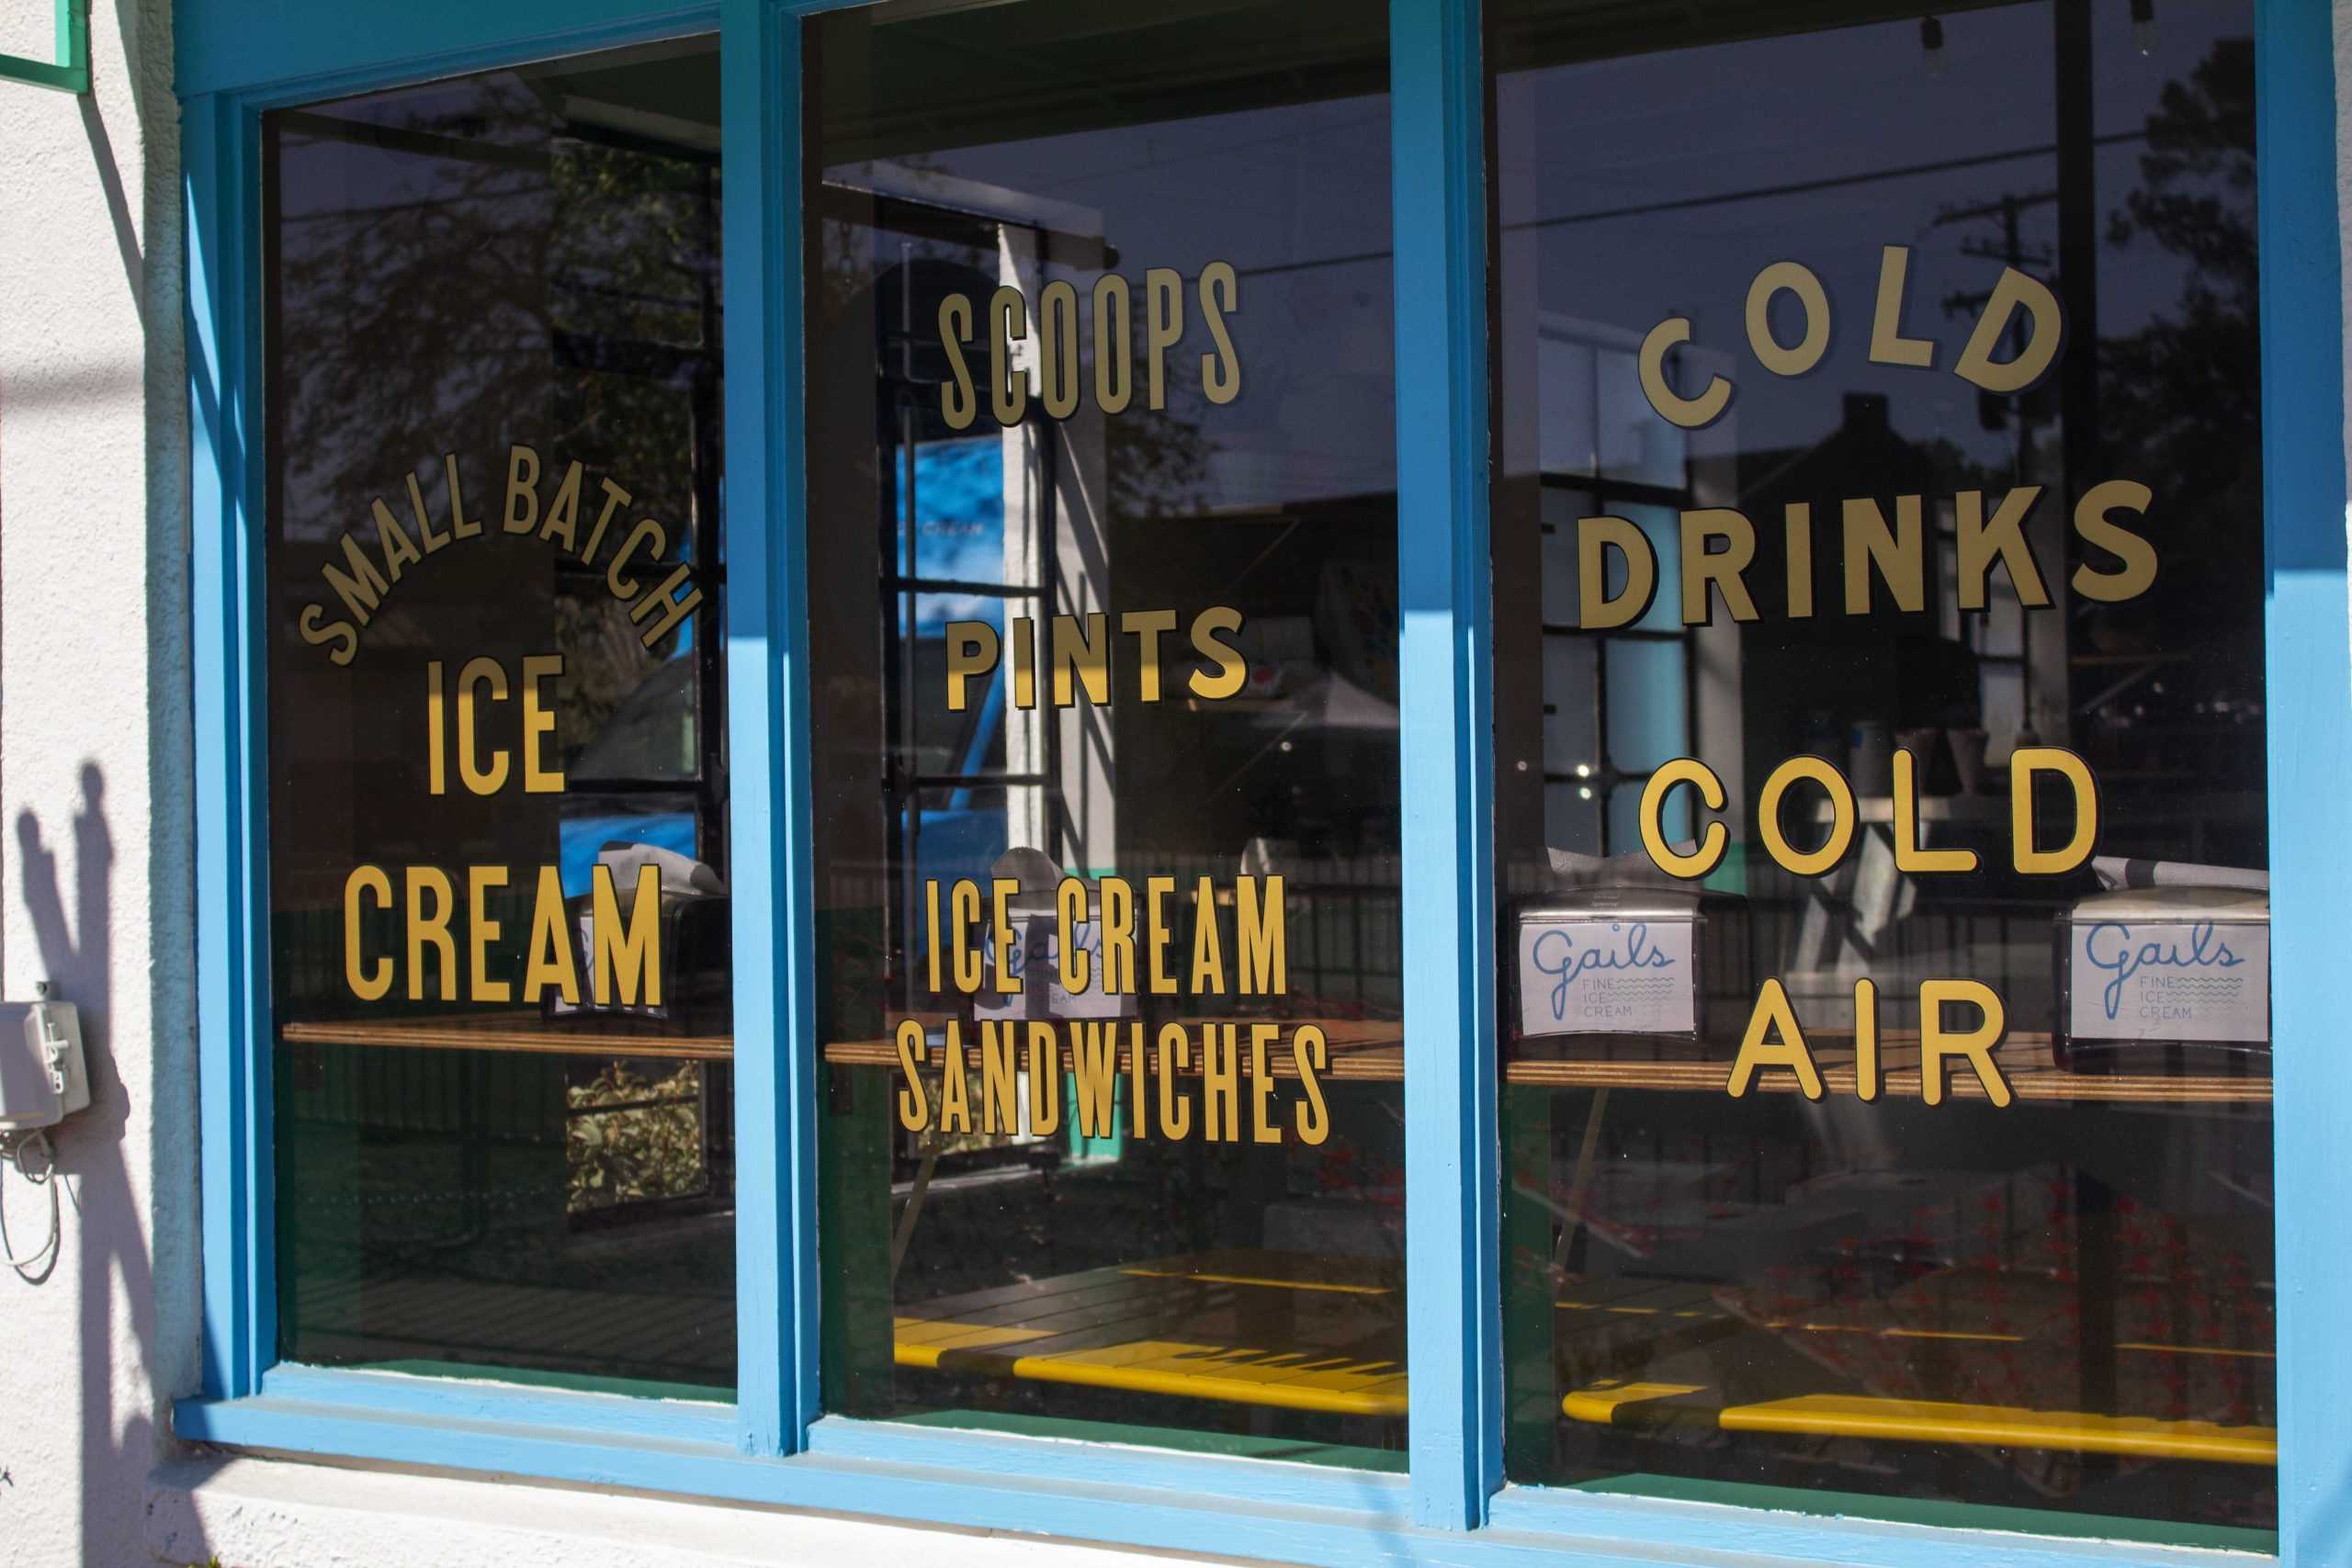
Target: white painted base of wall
[{"x": 255, "y": 1512}]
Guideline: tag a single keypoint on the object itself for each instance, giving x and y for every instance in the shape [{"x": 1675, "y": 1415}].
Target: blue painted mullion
[
  {"x": 2309, "y": 684},
  {"x": 221, "y": 926},
  {"x": 251, "y": 633},
  {"x": 766, "y": 628},
  {"x": 273, "y": 51},
  {"x": 220, "y": 157},
  {"x": 1451, "y": 1157}
]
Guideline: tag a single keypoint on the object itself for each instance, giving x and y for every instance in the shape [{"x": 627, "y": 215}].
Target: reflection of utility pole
[
  {"x": 2077, "y": 242},
  {"x": 2078, "y": 297},
  {"x": 1994, "y": 411},
  {"x": 2096, "y": 1243},
  {"x": 2047, "y": 644},
  {"x": 2019, "y": 411}
]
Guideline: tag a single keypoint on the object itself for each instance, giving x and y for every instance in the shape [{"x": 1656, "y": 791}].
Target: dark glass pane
[
  {"x": 495, "y": 686},
  {"x": 1094, "y": 1231},
  {"x": 1925, "y": 586}
]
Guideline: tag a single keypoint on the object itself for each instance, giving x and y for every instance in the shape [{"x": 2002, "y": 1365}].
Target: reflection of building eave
[
  {"x": 402, "y": 138},
  {"x": 700, "y": 135}
]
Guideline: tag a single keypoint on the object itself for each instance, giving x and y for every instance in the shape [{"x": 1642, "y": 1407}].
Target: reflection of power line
[
  {"x": 1831, "y": 182},
  {"x": 2011, "y": 252},
  {"x": 1273, "y": 268},
  {"x": 1796, "y": 187}
]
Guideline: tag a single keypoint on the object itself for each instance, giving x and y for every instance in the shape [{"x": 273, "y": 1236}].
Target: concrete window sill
[{"x": 268, "y": 1513}]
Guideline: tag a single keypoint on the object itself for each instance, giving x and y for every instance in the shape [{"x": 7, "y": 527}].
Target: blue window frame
[{"x": 773, "y": 1444}]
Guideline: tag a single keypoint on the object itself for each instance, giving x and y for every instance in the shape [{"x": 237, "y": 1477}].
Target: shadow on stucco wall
[
  {"x": 112, "y": 1269},
  {"x": 126, "y": 231}
]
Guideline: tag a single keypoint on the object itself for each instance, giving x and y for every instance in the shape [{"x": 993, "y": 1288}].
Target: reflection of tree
[
  {"x": 483, "y": 283},
  {"x": 631, "y": 1137},
  {"x": 604, "y": 662},
  {"x": 2182, "y": 391},
  {"x": 1156, "y": 462},
  {"x": 2180, "y": 412},
  {"x": 457, "y": 267}
]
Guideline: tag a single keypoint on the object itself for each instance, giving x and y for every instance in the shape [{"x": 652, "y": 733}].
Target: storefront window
[
  {"x": 1102, "y": 568},
  {"x": 500, "y": 929},
  {"x": 1880, "y": 730}
]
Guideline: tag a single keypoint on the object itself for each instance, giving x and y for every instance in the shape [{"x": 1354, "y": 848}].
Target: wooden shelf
[
  {"x": 593, "y": 1035},
  {"x": 1360, "y": 1050},
  {"x": 1374, "y": 1051},
  {"x": 1364, "y": 1051},
  {"x": 2024, "y": 1059}
]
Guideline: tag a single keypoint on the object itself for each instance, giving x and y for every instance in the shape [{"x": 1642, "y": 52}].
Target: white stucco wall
[{"x": 93, "y": 778}]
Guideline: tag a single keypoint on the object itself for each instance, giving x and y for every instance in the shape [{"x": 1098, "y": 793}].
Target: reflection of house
[
  {"x": 1607, "y": 710},
  {"x": 1890, "y": 668}
]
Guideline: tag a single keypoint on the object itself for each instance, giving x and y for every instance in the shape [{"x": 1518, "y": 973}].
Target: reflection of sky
[
  {"x": 1697, "y": 131},
  {"x": 959, "y": 528},
  {"x": 1297, "y": 199},
  {"x": 582, "y": 838},
  {"x": 1261, "y": 189},
  {"x": 959, "y": 509}
]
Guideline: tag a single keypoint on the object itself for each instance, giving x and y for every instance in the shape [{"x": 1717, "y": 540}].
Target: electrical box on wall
[{"x": 42, "y": 1079}]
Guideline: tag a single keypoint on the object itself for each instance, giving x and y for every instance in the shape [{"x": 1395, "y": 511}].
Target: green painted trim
[
  {"x": 1238, "y": 1445},
  {"x": 1107, "y": 1148},
  {"x": 1928, "y": 1511},
  {"x": 574, "y": 1382},
  {"x": 68, "y": 70}
]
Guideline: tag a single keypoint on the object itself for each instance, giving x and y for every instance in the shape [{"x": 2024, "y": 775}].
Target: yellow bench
[
  {"x": 1301, "y": 1332},
  {"x": 1282, "y": 1330},
  {"x": 1634, "y": 1404}
]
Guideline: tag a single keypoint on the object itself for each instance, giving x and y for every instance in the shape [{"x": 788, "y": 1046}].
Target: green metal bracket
[{"x": 70, "y": 70}]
